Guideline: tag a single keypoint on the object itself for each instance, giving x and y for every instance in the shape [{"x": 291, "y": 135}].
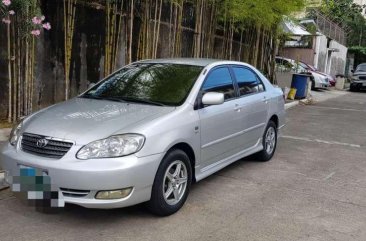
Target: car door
[
  {"x": 220, "y": 124},
  {"x": 253, "y": 102}
]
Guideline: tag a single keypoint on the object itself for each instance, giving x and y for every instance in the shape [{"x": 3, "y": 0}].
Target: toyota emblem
[{"x": 42, "y": 143}]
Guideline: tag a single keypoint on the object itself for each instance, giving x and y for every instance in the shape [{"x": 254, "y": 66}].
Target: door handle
[{"x": 265, "y": 100}]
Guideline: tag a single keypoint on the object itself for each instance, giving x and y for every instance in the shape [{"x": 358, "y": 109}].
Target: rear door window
[{"x": 248, "y": 81}]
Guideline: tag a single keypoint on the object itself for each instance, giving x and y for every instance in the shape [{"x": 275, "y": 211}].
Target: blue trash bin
[{"x": 300, "y": 83}]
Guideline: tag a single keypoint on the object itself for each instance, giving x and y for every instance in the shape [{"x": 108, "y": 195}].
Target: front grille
[
  {"x": 74, "y": 192},
  {"x": 362, "y": 77},
  {"x": 52, "y": 149}
]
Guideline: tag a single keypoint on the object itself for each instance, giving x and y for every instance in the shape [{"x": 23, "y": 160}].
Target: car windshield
[
  {"x": 303, "y": 65},
  {"x": 155, "y": 84},
  {"x": 361, "y": 68}
]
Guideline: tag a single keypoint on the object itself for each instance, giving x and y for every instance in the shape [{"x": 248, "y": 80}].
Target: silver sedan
[{"x": 145, "y": 134}]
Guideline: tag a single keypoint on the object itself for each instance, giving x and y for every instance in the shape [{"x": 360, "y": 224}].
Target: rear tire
[
  {"x": 312, "y": 84},
  {"x": 172, "y": 184},
  {"x": 269, "y": 142}
]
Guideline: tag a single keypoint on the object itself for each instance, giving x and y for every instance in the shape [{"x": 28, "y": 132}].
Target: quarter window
[
  {"x": 248, "y": 81},
  {"x": 219, "y": 80}
]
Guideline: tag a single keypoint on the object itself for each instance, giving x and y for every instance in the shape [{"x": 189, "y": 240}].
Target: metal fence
[{"x": 328, "y": 27}]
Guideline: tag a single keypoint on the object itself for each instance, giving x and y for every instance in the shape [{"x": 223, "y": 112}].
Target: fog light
[{"x": 114, "y": 194}]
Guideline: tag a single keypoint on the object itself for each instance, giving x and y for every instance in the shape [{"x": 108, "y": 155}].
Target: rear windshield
[{"x": 167, "y": 84}]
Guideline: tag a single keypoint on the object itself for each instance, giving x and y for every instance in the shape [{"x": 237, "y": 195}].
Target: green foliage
[
  {"x": 2, "y": 10},
  {"x": 348, "y": 14},
  {"x": 25, "y": 10},
  {"x": 259, "y": 12},
  {"x": 357, "y": 50}
]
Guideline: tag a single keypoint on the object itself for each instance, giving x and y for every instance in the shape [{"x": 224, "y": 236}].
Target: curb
[
  {"x": 2, "y": 184},
  {"x": 316, "y": 99},
  {"x": 291, "y": 104}
]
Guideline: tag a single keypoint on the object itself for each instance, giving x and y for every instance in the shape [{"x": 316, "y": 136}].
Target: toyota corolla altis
[{"x": 146, "y": 132}]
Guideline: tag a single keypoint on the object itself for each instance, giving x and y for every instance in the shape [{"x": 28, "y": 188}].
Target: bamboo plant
[
  {"x": 69, "y": 23},
  {"x": 24, "y": 24}
]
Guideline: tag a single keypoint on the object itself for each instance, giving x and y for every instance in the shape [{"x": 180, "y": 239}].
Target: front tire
[
  {"x": 353, "y": 88},
  {"x": 269, "y": 142},
  {"x": 172, "y": 184}
]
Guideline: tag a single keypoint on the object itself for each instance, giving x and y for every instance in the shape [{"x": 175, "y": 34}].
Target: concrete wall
[
  {"x": 284, "y": 79},
  {"x": 330, "y": 62},
  {"x": 361, "y": 3},
  {"x": 305, "y": 55},
  {"x": 337, "y": 61},
  {"x": 320, "y": 56}
]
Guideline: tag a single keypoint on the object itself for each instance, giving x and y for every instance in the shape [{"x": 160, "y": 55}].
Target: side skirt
[{"x": 208, "y": 170}]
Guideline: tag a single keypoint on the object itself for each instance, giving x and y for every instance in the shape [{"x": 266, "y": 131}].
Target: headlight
[
  {"x": 114, "y": 146},
  {"x": 15, "y": 133}
]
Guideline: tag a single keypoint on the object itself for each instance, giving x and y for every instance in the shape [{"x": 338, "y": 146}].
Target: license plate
[
  {"x": 364, "y": 84},
  {"x": 25, "y": 171},
  {"x": 34, "y": 184}
]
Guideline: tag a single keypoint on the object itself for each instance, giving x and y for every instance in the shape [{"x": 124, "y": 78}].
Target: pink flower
[
  {"x": 36, "y": 32},
  {"x": 46, "y": 26},
  {"x": 6, "y": 20},
  {"x": 36, "y": 20},
  {"x": 6, "y": 2},
  {"x": 11, "y": 12}
]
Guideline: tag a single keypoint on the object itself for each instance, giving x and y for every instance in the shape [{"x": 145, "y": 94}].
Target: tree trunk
[
  {"x": 256, "y": 49},
  {"x": 10, "y": 115},
  {"x": 131, "y": 32}
]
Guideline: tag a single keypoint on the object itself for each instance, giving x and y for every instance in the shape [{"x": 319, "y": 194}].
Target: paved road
[{"x": 313, "y": 189}]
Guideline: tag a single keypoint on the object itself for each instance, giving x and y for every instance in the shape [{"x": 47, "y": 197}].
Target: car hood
[{"x": 85, "y": 120}]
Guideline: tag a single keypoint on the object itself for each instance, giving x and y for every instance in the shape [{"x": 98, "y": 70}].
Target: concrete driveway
[{"x": 313, "y": 189}]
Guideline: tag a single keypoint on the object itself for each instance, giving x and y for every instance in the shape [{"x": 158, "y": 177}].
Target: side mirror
[{"x": 213, "y": 98}]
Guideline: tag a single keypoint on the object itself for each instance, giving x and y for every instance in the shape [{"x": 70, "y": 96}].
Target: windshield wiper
[
  {"x": 143, "y": 101},
  {"x": 123, "y": 99},
  {"x": 102, "y": 98},
  {"x": 87, "y": 96}
]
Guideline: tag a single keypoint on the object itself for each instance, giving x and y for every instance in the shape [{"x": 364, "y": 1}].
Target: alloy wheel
[
  {"x": 270, "y": 140},
  {"x": 175, "y": 182}
]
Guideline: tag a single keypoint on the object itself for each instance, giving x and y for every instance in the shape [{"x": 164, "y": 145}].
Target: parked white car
[
  {"x": 359, "y": 78},
  {"x": 317, "y": 80}
]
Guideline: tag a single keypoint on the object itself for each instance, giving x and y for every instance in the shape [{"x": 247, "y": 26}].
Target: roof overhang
[{"x": 294, "y": 29}]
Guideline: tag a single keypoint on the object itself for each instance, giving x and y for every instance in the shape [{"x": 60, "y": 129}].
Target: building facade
[{"x": 362, "y": 3}]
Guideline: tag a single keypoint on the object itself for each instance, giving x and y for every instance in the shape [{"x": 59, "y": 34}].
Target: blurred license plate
[
  {"x": 34, "y": 185},
  {"x": 26, "y": 171},
  {"x": 364, "y": 84}
]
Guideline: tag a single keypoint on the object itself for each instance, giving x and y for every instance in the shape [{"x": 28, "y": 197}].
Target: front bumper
[
  {"x": 90, "y": 176},
  {"x": 321, "y": 85},
  {"x": 358, "y": 85}
]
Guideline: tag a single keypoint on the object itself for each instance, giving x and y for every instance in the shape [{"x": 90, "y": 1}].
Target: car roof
[
  {"x": 284, "y": 58},
  {"x": 186, "y": 61}
]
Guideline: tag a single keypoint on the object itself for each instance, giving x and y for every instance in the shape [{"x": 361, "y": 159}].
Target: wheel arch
[
  {"x": 190, "y": 152},
  {"x": 274, "y": 118}
]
